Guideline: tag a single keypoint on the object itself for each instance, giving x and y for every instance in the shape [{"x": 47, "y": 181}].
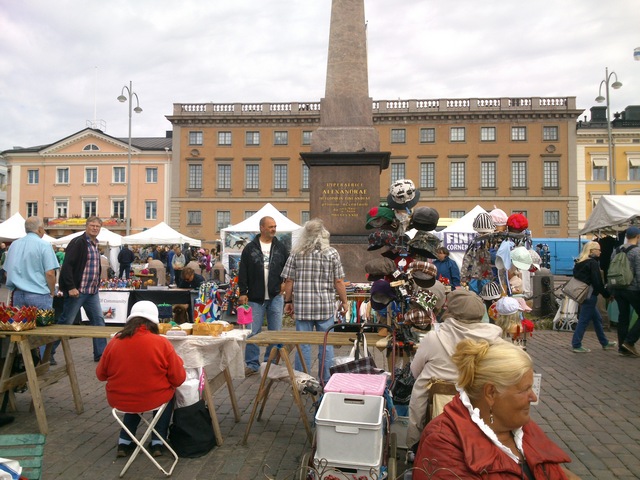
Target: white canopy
[
  {"x": 161, "y": 234},
  {"x": 236, "y": 237},
  {"x": 13, "y": 228},
  {"x": 456, "y": 237},
  {"x": 252, "y": 224},
  {"x": 612, "y": 214},
  {"x": 105, "y": 237}
]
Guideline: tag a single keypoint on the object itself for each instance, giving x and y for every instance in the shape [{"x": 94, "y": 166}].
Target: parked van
[{"x": 558, "y": 254}]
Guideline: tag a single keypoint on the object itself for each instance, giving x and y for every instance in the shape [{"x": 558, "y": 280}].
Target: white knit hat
[{"x": 144, "y": 309}]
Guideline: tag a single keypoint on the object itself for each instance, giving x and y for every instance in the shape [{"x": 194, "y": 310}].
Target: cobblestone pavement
[{"x": 589, "y": 405}]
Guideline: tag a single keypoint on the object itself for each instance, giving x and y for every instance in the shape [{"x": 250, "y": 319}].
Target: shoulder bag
[{"x": 577, "y": 290}]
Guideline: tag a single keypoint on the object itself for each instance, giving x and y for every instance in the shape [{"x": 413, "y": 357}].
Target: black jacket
[
  {"x": 194, "y": 284},
  {"x": 587, "y": 271},
  {"x": 75, "y": 259},
  {"x": 126, "y": 256},
  {"x": 251, "y": 270}
]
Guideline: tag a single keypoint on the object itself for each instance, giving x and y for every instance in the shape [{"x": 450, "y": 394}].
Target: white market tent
[
  {"x": 161, "y": 234},
  {"x": 13, "y": 228},
  {"x": 612, "y": 214},
  {"x": 235, "y": 237},
  {"x": 105, "y": 237},
  {"x": 456, "y": 237}
]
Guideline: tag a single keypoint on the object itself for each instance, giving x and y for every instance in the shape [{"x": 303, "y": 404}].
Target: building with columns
[{"x": 516, "y": 153}]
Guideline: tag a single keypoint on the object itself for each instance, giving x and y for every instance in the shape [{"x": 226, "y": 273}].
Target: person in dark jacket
[
  {"x": 587, "y": 270},
  {"x": 260, "y": 284},
  {"x": 190, "y": 279},
  {"x": 125, "y": 259},
  {"x": 80, "y": 279}
]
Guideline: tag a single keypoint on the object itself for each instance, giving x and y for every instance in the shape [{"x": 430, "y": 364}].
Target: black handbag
[
  {"x": 191, "y": 433},
  {"x": 356, "y": 362}
]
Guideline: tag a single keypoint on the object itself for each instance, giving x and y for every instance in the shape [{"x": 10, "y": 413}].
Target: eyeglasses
[{"x": 595, "y": 249}]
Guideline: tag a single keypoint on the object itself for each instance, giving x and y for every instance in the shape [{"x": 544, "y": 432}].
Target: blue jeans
[
  {"x": 93, "y": 309},
  {"x": 627, "y": 299},
  {"x": 588, "y": 312},
  {"x": 320, "y": 326},
  {"x": 26, "y": 299},
  {"x": 272, "y": 308},
  {"x": 132, "y": 421},
  {"x": 38, "y": 300}
]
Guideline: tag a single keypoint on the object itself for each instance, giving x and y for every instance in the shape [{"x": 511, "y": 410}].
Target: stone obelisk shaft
[{"x": 346, "y": 120}]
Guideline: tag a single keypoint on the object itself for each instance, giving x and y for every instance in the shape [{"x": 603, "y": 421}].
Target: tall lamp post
[
  {"x": 122, "y": 98},
  {"x": 615, "y": 85}
]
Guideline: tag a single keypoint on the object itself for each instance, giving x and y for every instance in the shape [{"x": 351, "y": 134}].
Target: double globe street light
[
  {"x": 615, "y": 85},
  {"x": 123, "y": 98}
]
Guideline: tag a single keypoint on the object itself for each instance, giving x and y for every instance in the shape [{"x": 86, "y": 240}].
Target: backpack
[{"x": 620, "y": 274}]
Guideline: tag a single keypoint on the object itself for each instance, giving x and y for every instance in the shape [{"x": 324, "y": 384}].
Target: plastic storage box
[
  {"x": 356, "y": 383},
  {"x": 333, "y": 472},
  {"x": 349, "y": 429}
]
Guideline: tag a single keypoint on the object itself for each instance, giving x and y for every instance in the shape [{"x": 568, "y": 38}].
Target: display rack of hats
[
  {"x": 405, "y": 290},
  {"x": 496, "y": 265}
]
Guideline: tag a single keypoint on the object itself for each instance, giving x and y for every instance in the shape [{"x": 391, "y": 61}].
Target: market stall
[
  {"x": 161, "y": 234},
  {"x": 236, "y": 237}
]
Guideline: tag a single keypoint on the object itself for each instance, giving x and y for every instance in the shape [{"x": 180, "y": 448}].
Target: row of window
[
  {"x": 91, "y": 175},
  {"x": 251, "y": 176},
  {"x": 251, "y": 138},
  {"x": 427, "y": 175},
  {"x": 550, "y": 218},
  {"x": 90, "y": 208},
  {"x": 487, "y": 134},
  {"x": 600, "y": 169},
  {"x": 488, "y": 174},
  {"x": 398, "y": 135}
]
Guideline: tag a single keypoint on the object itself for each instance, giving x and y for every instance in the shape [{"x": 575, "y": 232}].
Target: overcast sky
[{"x": 63, "y": 60}]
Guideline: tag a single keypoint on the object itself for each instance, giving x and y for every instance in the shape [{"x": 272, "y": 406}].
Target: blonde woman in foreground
[{"x": 486, "y": 431}]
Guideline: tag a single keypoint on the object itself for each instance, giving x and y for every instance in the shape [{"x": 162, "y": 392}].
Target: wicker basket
[
  {"x": 207, "y": 328},
  {"x": 16, "y": 319},
  {"x": 45, "y": 317}
]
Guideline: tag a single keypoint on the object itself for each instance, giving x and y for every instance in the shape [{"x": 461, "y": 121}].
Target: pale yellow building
[
  {"x": 86, "y": 174},
  {"x": 593, "y": 178},
  {"x": 516, "y": 153}
]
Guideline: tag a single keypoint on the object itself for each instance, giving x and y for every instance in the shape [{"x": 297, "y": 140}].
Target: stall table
[
  {"x": 286, "y": 341},
  {"x": 224, "y": 352},
  {"x": 43, "y": 375}
]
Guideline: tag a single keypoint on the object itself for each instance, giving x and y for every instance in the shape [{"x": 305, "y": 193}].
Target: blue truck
[{"x": 558, "y": 253}]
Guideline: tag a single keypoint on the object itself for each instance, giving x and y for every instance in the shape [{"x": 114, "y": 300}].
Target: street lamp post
[
  {"x": 122, "y": 98},
  {"x": 615, "y": 85}
]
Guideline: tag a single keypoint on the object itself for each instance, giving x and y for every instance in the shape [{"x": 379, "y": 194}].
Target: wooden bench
[{"x": 26, "y": 449}]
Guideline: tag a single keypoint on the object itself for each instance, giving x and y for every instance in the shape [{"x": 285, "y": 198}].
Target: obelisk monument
[{"x": 345, "y": 159}]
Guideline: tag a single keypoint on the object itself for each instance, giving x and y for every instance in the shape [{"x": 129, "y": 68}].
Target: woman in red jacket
[
  {"x": 486, "y": 431},
  {"x": 142, "y": 371}
]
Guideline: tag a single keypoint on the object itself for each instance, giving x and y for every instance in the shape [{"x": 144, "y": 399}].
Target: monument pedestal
[{"x": 343, "y": 188}]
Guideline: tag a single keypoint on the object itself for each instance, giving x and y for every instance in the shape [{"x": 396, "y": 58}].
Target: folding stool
[{"x": 146, "y": 436}]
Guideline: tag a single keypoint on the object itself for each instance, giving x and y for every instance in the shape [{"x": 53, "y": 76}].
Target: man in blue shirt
[{"x": 31, "y": 266}]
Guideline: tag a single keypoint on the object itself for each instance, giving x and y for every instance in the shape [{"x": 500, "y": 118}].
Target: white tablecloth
[{"x": 215, "y": 353}]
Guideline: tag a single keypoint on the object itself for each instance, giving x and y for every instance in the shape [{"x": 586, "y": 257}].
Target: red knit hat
[{"x": 517, "y": 222}]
